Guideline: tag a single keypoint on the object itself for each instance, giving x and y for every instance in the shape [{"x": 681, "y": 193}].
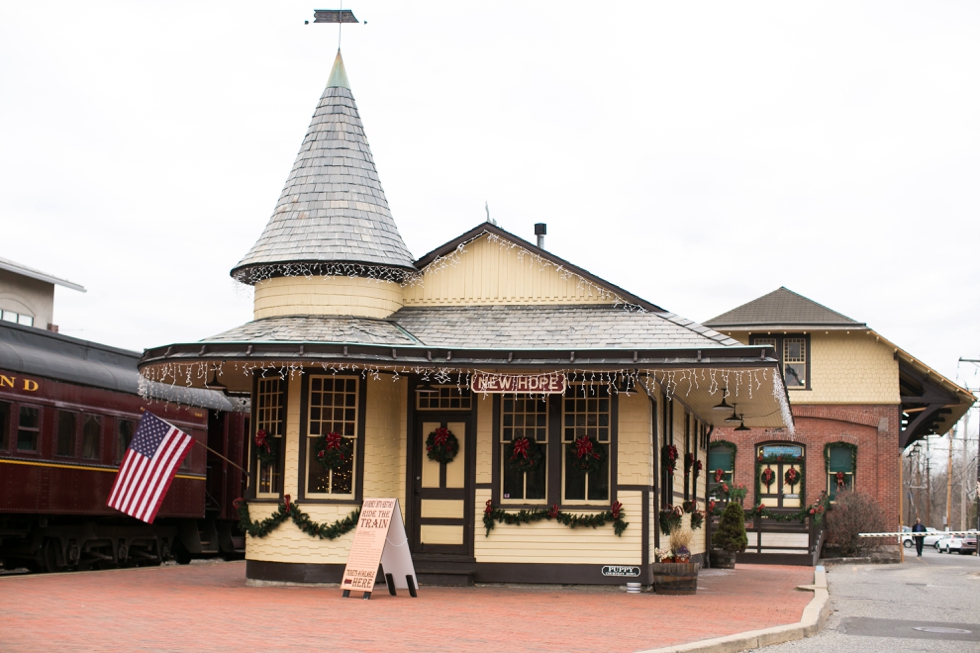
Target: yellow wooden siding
[
  {"x": 846, "y": 368},
  {"x": 489, "y": 273},
  {"x": 326, "y": 296},
  {"x": 289, "y": 544},
  {"x": 384, "y": 466},
  {"x": 550, "y": 542},
  {"x": 384, "y": 443},
  {"x": 634, "y": 440},
  {"x": 484, "y": 439},
  {"x": 291, "y": 478}
]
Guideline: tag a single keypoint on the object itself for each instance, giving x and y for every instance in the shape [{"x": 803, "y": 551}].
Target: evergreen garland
[
  {"x": 615, "y": 515},
  {"x": 287, "y": 510}
]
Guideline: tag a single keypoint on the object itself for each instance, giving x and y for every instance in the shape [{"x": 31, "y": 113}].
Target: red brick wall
[{"x": 873, "y": 428}]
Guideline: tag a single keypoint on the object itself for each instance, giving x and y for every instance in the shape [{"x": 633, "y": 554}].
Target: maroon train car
[{"x": 68, "y": 409}]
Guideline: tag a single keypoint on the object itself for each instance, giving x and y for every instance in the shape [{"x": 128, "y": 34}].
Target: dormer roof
[
  {"x": 332, "y": 210},
  {"x": 782, "y": 308}
]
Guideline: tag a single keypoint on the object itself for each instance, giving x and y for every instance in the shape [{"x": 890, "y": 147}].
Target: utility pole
[
  {"x": 974, "y": 361},
  {"x": 949, "y": 481},
  {"x": 928, "y": 487},
  {"x": 965, "y": 432}
]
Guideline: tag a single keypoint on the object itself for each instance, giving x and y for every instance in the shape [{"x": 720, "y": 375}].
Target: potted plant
[
  {"x": 730, "y": 537},
  {"x": 674, "y": 573}
]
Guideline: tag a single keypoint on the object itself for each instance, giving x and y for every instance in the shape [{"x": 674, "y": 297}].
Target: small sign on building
[
  {"x": 380, "y": 538},
  {"x": 551, "y": 383}
]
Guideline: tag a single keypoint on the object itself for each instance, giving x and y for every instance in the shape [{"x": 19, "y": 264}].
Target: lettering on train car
[{"x": 28, "y": 385}]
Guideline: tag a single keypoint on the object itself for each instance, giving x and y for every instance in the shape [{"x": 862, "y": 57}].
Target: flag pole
[{"x": 230, "y": 462}]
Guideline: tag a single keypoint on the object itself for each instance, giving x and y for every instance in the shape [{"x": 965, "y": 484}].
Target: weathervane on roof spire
[{"x": 339, "y": 16}]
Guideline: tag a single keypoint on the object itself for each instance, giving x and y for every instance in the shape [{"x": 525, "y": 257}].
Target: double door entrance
[{"x": 779, "y": 469}]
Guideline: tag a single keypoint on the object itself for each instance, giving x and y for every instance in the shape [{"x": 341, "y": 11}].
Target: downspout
[
  {"x": 707, "y": 516},
  {"x": 653, "y": 467}
]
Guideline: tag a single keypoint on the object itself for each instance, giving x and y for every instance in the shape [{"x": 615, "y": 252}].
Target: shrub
[
  {"x": 730, "y": 535},
  {"x": 854, "y": 513}
]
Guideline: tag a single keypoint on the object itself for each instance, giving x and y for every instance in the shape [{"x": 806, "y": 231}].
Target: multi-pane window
[
  {"x": 840, "y": 474},
  {"x": 125, "y": 428},
  {"x": 66, "y": 433},
  {"x": 16, "y": 318},
  {"x": 587, "y": 413},
  {"x": 27, "y": 428},
  {"x": 332, "y": 409},
  {"x": 4, "y": 425},
  {"x": 720, "y": 456},
  {"x": 269, "y": 413},
  {"x": 444, "y": 397},
  {"x": 524, "y": 417},
  {"x": 792, "y": 352}
]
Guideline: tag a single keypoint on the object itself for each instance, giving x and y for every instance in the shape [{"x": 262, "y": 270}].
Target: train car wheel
[
  {"x": 181, "y": 555},
  {"x": 49, "y": 556}
]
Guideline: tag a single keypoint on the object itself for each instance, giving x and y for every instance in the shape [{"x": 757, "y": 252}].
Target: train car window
[
  {"x": 125, "y": 428},
  {"x": 66, "y": 433},
  {"x": 91, "y": 437},
  {"x": 4, "y": 425},
  {"x": 28, "y": 428}
]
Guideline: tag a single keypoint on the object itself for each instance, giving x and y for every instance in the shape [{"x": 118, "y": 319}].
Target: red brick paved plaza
[{"x": 209, "y": 608}]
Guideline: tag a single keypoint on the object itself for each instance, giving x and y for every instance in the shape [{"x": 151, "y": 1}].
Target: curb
[{"x": 814, "y": 617}]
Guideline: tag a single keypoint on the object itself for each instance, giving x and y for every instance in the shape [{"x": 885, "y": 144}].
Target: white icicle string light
[{"x": 671, "y": 382}]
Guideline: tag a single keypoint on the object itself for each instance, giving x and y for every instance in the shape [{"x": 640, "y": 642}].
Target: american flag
[{"x": 148, "y": 468}]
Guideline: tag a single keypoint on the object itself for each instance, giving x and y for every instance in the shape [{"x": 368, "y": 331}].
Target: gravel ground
[{"x": 877, "y": 607}]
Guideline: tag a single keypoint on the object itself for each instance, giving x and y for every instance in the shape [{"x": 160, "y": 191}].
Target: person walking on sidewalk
[{"x": 919, "y": 539}]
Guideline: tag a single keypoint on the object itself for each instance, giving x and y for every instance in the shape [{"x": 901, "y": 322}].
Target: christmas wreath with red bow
[
  {"x": 586, "y": 454},
  {"x": 791, "y": 477},
  {"x": 266, "y": 448},
  {"x": 523, "y": 455},
  {"x": 333, "y": 450},
  {"x": 841, "y": 480},
  {"x": 441, "y": 445},
  {"x": 768, "y": 476},
  {"x": 669, "y": 455}
]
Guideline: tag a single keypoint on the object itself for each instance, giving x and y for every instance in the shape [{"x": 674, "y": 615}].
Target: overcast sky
[{"x": 698, "y": 154}]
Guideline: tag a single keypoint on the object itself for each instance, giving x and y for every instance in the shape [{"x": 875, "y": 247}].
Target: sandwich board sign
[{"x": 380, "y": 538}]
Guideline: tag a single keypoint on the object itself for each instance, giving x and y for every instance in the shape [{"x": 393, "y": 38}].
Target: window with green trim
[
  {"x": 720, "y": 456},
  {"x": 840, "y": 469}
]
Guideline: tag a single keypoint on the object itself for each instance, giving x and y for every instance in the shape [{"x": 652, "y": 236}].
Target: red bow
[
  {"x": 767, "y": 476},
  {"x": 718, "y": 475},
  {"x": 840, "y": 479},
  {"x": 489, "y": 508},
  {"x": 616, "y": 507},
  {"x": 286, "y": 498},
  {"x": 553, "y": 511},
  {"x": 792, "y": 474},
  {"x": 261, "y": 440},
  {"x": 521, "y": 447},
  {"x": 441, "y": 436},
  {"x": 583, "y": 447},
  {"x": 333, "y": 441}
]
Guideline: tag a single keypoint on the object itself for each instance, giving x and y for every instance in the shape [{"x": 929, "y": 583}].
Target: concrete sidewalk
[{"x": 209, "y": 608}]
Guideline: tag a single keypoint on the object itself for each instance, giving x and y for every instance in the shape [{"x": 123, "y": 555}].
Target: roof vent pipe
[{"x": 540, "y": 230}]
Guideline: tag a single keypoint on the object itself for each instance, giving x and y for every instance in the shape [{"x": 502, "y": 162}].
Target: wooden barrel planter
[
  {"x": 675, "y": 578},
  {"x": 721, "y": 559}
]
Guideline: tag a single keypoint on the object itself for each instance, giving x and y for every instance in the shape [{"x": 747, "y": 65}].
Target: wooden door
[
  {"x": 443, "y": 492},
  {"x": 779, "y": 460}
]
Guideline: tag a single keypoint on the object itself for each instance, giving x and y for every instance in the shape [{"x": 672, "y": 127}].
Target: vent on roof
[{"x": 540, "y": 230}]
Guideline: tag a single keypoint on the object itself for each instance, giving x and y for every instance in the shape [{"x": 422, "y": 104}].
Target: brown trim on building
[
  {"x": 304, "y": 427},
  {"x": 495, "y": 463},
  {"x": 292, "y": 572}
]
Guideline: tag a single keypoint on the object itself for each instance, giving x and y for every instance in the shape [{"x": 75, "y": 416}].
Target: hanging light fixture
[
  {"x": 426, "y": 389},
  {"x": 724, "y": 404},
  {"x": 734, "y": 417},
  {"x": 215, "y": 384},
  {"x": 742, "y": 427}
]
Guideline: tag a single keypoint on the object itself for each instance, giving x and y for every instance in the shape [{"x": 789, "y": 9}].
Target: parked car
[
  {"x": 963, "y": 544},
  {"x": 932, "y": 536}
]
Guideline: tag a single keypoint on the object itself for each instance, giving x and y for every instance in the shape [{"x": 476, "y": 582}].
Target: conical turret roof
[{"x": 332, "y": 212}]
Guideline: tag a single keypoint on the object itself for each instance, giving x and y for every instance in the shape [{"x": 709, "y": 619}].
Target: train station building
[{"x": 485, "y": 378}]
